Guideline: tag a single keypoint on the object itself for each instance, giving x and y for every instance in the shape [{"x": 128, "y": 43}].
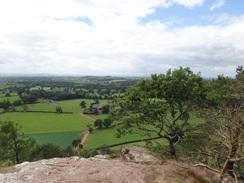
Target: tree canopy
[{"x": 160, "y": 106}]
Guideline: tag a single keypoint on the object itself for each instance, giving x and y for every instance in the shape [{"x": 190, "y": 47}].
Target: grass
[
  {"x": 49, "y": 122},
  {"x": 62, "y": 139},
  {"x": 107, "y": 136},
  {"x": 11, "y": 99},
  {"x": 51, "y": 107},
  {"x": 76, "y": 102}
]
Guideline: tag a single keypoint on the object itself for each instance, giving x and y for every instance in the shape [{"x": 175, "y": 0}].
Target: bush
[
  {"x": 98, "y": 123},
  {"x": 17, "y": 103},
  {"x": 47, "y": 151},
  {"x": 87, "y": 153},
  {"x": 104, "y": 149},
  {"x": 69, "y": 151},
  {"x": 76, "y": 142},
  {"x": 59, "y": 109},
  {"x": 7, "y": 162}
]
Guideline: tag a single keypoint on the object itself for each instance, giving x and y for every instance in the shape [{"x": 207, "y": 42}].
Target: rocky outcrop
[
  {"x": 102, "y": 169},
  {"x": 138, "y": 154},
  {"x": 66, "y": 170}
]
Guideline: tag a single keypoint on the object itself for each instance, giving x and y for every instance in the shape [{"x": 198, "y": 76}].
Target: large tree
[{"x": 160, "y": 106}]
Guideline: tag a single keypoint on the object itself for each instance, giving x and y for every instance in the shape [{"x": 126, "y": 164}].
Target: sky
[{"x": 121, "y": 37}]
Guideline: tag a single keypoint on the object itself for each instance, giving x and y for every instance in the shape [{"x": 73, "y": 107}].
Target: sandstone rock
[{"x": 138, "y": 154}]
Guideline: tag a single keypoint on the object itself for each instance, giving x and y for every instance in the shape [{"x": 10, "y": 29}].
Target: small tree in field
[
  {"x": 25, "y": 108},
  {"x": 160, "y": 106},
  {"x": 83, "y": 104},
  {"x": 98, "y": 123},
  {"x": 107, "y": 122},
  {"x": 59, "y": 109}
]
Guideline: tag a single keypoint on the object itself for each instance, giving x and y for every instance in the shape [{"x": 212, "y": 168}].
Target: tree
[
  {"x": 59, "y": 109},
  {"x": 17, "y": 103},
  {"x": 83, "y": 104},
  {"x": 90, "y": 129},
  {"x": 6, "y": 104},
  {"x": 105, "y": 109},
  {"x": 98, "y": 123},
  {"x": 226, "y": 122},
  {"x": 13, "y": 144},
  {"x": 25, "y": 108},
  {"x": 160, "y": 106},
  {"x": 7, "y": 95},
  {"x": 107, "y": 122},
  {"x": 28, "y": 98}
]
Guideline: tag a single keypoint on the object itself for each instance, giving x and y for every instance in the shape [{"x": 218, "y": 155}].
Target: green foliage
[
  {"x": 7, "y": 95},
  {"x": 59, "y": 109},
  {"x": 90, "y": 129},
  {"x": 98, "y": 123},
  {"x": 76, "y": 142},
  {"x": 87, "y": 153},
  {"x": 5, "y": 104},
  {"x": 13, "y": 144},
  {"x": 7, "y": 162},
  {"x": 46, "y": 151},
  {"x": 83, "y": 104},
  {"x": 28, "y": 98},
  {"x": 106, "y": 109},
  {"x": 107, "y": 122},
  {"x": 104, "y": 149},
  {"x": 25, "y": 108},
  {"x": 17, "y": 103},
  {"x": 160, "y": 106},
  {"x": 69, "y": 152}
]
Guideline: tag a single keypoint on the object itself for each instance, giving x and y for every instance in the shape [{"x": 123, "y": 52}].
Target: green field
[
  {"x": 47, "y": 122},
  {"x": 62, "y": 139},
  {"x": 62, "y": 129},
  {"x": 11, "y": 99},
  {"x": 76, "y": 102}
]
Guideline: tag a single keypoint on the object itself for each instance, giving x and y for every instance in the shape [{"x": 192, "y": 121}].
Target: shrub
[
  {"x": 7, "y": 162},
  {"x": 104, "y": 149},
  {"x": 87, "y": 153},
  {"x": 47, "y": 151}
]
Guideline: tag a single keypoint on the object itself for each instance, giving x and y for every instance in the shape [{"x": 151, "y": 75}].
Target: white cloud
[
  {"x": 46, "y": 37},
  {"x": 189, "y": 3},
  {"x": 218, "y": 4}
]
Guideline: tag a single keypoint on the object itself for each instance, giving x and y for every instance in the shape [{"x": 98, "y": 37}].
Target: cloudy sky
[{"x": 121, "y": 37}]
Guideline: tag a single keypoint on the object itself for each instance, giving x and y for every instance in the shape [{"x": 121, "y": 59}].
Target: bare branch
[{"x": 207, "y": 167}]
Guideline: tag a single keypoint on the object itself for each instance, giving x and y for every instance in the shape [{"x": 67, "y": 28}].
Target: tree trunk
[
  {"x": 223, "y": 170},
  {"x": 171, "y": 147},
  {"x": 228, "y": 165},
  {"x": 16, "y": 152}
]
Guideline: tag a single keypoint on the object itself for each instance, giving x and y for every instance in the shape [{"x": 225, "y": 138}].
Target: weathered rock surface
[
  {"x": 92, "y": 170},
  {"x": 138, "y": 154},
  {"x": 101, "y": 169}
]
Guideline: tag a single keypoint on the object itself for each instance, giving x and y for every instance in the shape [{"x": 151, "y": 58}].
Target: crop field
[
  {"x": 62, "y": 139},
  {"x": 47, "y": 122}
]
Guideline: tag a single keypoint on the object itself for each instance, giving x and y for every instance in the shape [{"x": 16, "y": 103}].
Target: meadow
[{"x": 62, "y": 139}]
